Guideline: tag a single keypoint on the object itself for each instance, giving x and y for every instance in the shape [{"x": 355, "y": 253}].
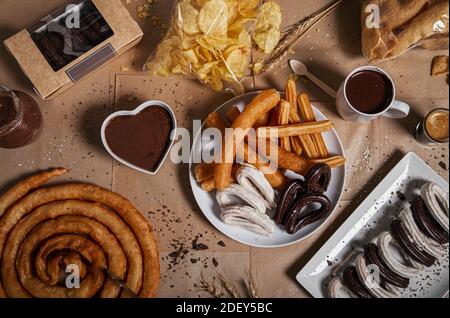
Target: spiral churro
[{"x": 89, "y": 222}]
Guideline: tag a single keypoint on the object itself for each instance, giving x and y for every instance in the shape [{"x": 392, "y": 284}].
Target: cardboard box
[{"x": 73, "y": 42}]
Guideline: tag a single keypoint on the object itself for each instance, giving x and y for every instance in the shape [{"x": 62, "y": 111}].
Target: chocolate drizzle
[
  {"x": 318, "y": 178},
  {"x": 291, "y": 193},
  {"x": 300, "y": 195},
  {"x": 372, "y": 255},
  {"x": 351, "y": 280},
  {"x": 426, "y": 222},
  {"x": 296, "y": 220},
  {"x": 409, "y": 247}
]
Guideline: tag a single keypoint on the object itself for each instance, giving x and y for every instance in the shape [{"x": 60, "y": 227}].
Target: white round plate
[{"x": 208, "y": 204}]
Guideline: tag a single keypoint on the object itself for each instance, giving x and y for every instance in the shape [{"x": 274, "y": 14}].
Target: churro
[
  {"x": 283, "y": 119},
  {"x": 291, "y": 97},
  {"x": 276, "y": 178},
  {"x": 233, "y": 114},
  {"x": 203, "y": 172},
  {"x": 309, "y": 148},
  {"x": 215, "y": 121},
  {"x": 284, "y": 159},
  {"x": 295, "y": 130},
  {"x": 260, "y": 105},
  {"x": 333, "y": 162},
  {"x": 44, "y": 219},
  {"x": 308, "y": 117}
]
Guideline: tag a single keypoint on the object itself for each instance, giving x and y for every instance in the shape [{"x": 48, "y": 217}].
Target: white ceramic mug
[{"x": 347, "y": 111}]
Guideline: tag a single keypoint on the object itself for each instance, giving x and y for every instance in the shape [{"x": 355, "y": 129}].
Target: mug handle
[{"x": 398, "y": 110}]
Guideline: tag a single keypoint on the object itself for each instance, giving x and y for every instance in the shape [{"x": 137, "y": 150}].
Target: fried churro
[
  {"x": 333, "y": 162},
  {"x": 308, "y": 116},
  {"x": 283, "y": 119},
  {"x": 260, "y": 105},
  {"x": 295, "y": 130},
  {"x": 291, "y": 97}
]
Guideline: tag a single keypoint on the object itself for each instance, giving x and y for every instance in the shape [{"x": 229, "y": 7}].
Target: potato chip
[
  {"x": 267, "y": 33},
  {"x": 244, "y": 38},
  {"x": 213, "y": 18},
  {"x": 210, "y": 40},
  {"x": 232, "y": 10},
  {"x": 270, "y": 16},
  {"x": 200, "y": 3},
  {"x": 267, "y": 41},
  {"x": 215, "y": 81},
  {"x": 206, "y": 69},
  {"x": 188, "y": 18},
  {"x": 237, "y": 62},
  {"x": 247, "y": 8},
  {"x": 190, "y": 56}
]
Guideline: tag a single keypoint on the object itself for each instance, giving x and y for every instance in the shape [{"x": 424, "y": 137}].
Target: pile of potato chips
[{"x": 211, "y": 40}]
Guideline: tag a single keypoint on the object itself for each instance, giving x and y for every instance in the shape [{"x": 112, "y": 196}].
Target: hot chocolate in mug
[{"x": 368, "y": 93}]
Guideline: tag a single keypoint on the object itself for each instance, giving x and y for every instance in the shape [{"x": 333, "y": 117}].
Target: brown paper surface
[{"x": 71, "y": 138}]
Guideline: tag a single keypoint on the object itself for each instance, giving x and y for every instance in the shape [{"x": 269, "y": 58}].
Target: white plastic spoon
[{"x": 300, "y": 69}]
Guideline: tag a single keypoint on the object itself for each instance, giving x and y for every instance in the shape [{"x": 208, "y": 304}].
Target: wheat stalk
[
  {"x": 210, "y": 288},
  {"x": 250, "y": 286},
  {"x": 292, "y": 34},
  {"x": 229, "y": 287}
]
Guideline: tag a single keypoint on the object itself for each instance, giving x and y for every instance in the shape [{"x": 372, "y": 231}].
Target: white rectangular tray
[{"x": 371, "y": 218}]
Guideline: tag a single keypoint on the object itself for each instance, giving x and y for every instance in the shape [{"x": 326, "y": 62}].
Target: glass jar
[{"x": 20, "y": 119}]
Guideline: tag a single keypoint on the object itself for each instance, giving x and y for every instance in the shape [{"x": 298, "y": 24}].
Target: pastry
[
  {"x": 248, "y": 218},
  {"x": 384, "y": 241},
  {"x": 253, "y": 179},
  {"x": 426, "y": 222},
  {"x": 299, "y": 195},
  {"x": 309, "y": 117},
  {"x": 370, "y": 284},
  {"x": 409, "y": 246},
  {"x": 245, "y": 204},
  {"x": 372, "y": 256},
  {"x": 294, "y": 118},
  {"x": 352, "y": 282},
  {"x": 418, "y": 241},
  {"x": 59, "y": 219},
  {"x": 237, "y": 194},
  {"x": 436, "y": 201},
  {"x": 293, "y": 190},
  {"x": 260, "y": 105},
  {"x": 402, "y": 26},
  {"x": 295, "y": 129},
  {"x": 318, "y": 178},
  {"x": 337, "y": 289},
  {"x": 296, "y": 219},
  {"x": 423, "y": 242}
]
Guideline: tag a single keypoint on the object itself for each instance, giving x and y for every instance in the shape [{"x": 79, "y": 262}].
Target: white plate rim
[{"x": 193, "y": 182}]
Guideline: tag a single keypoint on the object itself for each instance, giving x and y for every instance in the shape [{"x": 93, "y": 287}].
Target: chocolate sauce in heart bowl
[
  {"x": 20, "y": 119},
  {"x": 141, "y": 139}
]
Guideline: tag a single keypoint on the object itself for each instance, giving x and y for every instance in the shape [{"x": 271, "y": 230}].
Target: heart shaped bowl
[{"x": 145, "y": 105}]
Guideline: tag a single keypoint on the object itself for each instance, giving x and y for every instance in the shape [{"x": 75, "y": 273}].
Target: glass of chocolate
[
  {"x": 20, "y": 119},
  {"x": 434, "y": 129},
  {"x": 368, "y": 93}
]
